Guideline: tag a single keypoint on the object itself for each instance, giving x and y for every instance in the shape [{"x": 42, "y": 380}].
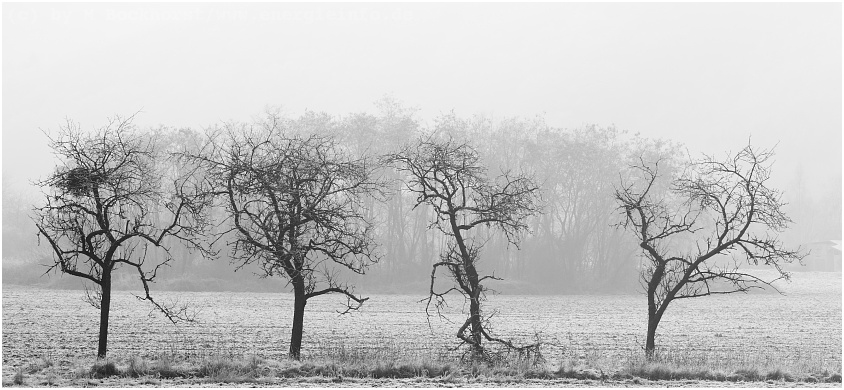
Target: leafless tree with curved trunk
[
  {"x": 107, "y": 204},
  {"x": 722, "y": 210},
  {"x": 447, "y": 176},
  {"x": 295, "y": 202}
]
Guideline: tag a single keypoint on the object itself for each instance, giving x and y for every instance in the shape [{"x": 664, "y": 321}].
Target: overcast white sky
[{"x": 708, "y": 75}]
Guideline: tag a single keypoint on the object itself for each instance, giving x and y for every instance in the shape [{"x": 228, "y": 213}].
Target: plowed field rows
[{"x": 804, "y": 324}]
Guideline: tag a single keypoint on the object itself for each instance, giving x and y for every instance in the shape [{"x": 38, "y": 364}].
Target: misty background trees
[
  {"x": 303, "y": 202},
  {"x": 573, "y": 245}
]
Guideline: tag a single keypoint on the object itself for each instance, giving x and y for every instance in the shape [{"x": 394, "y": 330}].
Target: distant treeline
[{"x": 574, "y": 244}]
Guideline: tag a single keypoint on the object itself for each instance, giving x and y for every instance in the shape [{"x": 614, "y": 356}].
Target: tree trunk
[
  {"x": 650, "y": 343},
  {"x": 474, "y": 307},
  {"x": 474, "y": 287},
  {"x": 655, "y": 309},
  {"x": 298, "y": 317},
  {"x": 654, "y": 316},
  {"x": 475, "y": 312},
  {"x": 105, "y": 304}
]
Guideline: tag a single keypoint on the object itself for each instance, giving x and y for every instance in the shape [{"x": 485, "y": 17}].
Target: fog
[{"x": 708, "y": 76}]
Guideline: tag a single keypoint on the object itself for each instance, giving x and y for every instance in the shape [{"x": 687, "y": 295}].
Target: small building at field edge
[{"x": 824, "y": 256}]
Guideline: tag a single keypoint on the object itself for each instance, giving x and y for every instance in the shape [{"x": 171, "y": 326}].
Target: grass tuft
[
  {"x": 104, "y": 369},
  {"x": 254, "y": 362},
  {"x": 165, "y": 367},
  {"x": 780, "y": 375},
  {"x": 50, "y": 380},
  {"x": 391, "y": 370},
  {"x": 224, "y": 369},
  {"x": 217, "y": 369},
  {"x": 40, "y": 364},
  {"x": 18, "y": 379},
  {"x": 138, "y": 367},
  {"x": 748, "y": 375}
]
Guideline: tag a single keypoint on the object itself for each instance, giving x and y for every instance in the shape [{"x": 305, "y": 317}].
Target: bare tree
[
  {"x": 295, "y": 204},
  {"x": 107, "y": 205},
  {"x": 447, "y": 176},
  {"x": 718, "y": 208}
]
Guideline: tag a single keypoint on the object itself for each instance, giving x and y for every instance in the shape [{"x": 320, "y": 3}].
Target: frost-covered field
[{"x": 802, "y": 327}]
